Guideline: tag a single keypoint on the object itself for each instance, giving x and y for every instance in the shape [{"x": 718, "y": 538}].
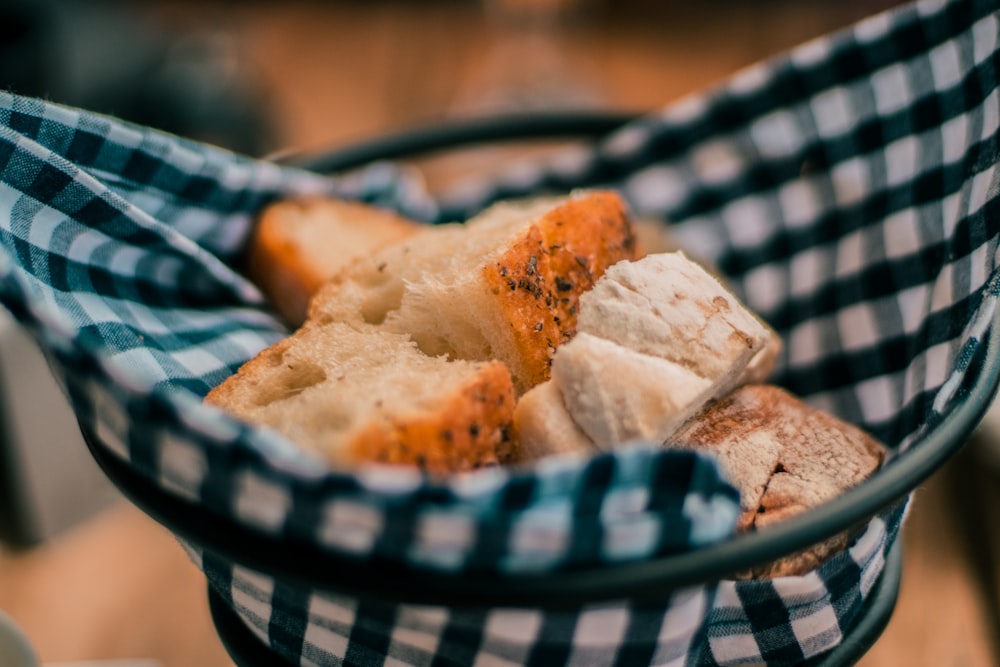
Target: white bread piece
[
  {"x": 667, "y": 306},
  {"x": 370, "y": 288},
  {"x": 657, "y": 339},
  {"x": 617, "y": 395},
  {"x": 653, "y": 237},
  {"x": 543, "y": 426},
  {"x": 504, "y": 286},
  {"x": 353, "y": 395},
  {"x": 784, "y": 457},
  {"x": 298, "y": 244}
]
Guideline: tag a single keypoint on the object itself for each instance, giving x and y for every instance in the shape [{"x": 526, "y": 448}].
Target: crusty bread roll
[
  {"x": 298, "y": 244},
  {"x": 505, "y": 285},
  {"x": 784, "y": 457},
  {"x": 353, "y": 394},
  {"x": 416, "y": 352}
]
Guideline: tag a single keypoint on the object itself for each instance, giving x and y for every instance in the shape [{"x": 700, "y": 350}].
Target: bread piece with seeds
[
  {"x": 657, "y": 339},
  {"x": 351, "y": 394},
  {"x": 505, "y": 285}
]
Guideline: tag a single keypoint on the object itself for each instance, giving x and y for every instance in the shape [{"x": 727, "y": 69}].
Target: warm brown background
[{"x": 118, "y": 586}]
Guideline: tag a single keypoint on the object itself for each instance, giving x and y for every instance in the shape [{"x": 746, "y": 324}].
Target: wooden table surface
[{"x": 119, "y": 586}]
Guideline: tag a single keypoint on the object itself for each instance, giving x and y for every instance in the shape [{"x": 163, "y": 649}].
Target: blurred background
[
  {"x": 258, "y": 76},
  {"x": 87, "y": 576}
]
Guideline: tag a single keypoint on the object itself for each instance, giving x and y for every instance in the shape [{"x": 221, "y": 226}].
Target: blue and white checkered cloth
[{"x": 848, "y": 189}]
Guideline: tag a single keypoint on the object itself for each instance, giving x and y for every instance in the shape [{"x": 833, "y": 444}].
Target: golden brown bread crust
[
  {"x": 470, "y": 430},
  {"x": 513, "y": 297},
  {"x": 520, "y": 285},
  {"x": 535, "y": 282},
  {"x": 539, "y": 280},
  {"x": 784, "y": 456},
  {"x": 298, "y": 244},
  {"x": 585, "y": 237}
]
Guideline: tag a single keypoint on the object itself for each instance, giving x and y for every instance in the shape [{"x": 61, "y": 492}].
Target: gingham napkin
[{"x": 847, "y": 189}]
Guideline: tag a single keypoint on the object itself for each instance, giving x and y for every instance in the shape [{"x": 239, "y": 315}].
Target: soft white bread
[
  {"x": 657, "y": 339},
  {"x": 784, "y": 457},
  {"x": 298, "y": 244},
  {"x": 355, "y": 394},
  {"x": 653, "y": 237},
  {"x": 667, "y": 306},
  {"x": 505, "y": 285},
  {"x": 543, "y": 426},
  {"x": 617, "y": 395},
  {"x": 397, "y": 361}
]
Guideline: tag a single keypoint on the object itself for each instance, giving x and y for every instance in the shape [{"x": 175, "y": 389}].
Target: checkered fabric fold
[{"x": 848, "y": 190}]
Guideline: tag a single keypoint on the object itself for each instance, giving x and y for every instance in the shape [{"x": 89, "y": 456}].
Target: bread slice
[
  {"x": 617, "y": 395},
  {"x": 354, "y": 394},
  {"x": 784, "y": 457},
  {"x": 544, "y": 427},
  {"x": 298, "y": 244},
  {"x": 505, "y": 285},
  {"x": 667, "y": 306}
]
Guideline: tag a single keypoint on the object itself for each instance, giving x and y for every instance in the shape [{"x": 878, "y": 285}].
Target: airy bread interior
[
  {"x": 667, "y": 306},
  {"x": 533, "y": 329},
  {"x": 415, "y": 353},
  {"x": 353, "y": 394},
  {"x": 617, "y": 395}
]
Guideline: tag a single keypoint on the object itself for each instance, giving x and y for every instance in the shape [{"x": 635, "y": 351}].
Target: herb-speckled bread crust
[
  {"x": 666, "y": 354},
  {"x": 352, "y": 395}
]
